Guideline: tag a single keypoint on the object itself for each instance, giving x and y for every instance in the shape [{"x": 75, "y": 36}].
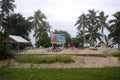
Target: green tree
[
  {"x": 37, "y": 19},
  {"x": 93, "y": 25},
  {"x": 43, "y": 41},
  {"x": 103, "y": 23},
  {"x": 115, "y": 29},
  {"x": 6, "y": 6},
  {"x": 19, "y": 26},
  {"x": 108, "y": 41},
  {"x": 80, "y": 36},
  {"x": 92, "y": 36},
  {"x": 39, "y": 24},
  {"x": 90, "y": 24},
  {"x": 68, "y": 37},
  {"x": 77, "y": 41},
  {"x": 81, "y": 25}
]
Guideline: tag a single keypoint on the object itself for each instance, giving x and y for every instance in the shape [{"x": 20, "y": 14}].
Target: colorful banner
[{"x": 58, "y": 38}]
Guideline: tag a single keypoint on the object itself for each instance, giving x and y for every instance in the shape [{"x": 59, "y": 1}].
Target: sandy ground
[
  {"x": 80, "y": 61},
  {"x": 67, "y": 51}
]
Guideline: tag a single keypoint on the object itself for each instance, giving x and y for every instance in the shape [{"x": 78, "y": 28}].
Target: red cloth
[{"x": 72, "y": 47}]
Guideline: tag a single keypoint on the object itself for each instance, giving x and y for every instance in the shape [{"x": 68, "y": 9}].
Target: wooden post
[
  {"x": 18, "y": 46},
  {"x": 63, "y": 45},
  {"x": 52, "y": 44}
]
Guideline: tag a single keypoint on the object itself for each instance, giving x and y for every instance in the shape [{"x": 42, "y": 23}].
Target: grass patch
[
  {"x": 115, "y": 54},
  {"x": 35, "y": 58},
  {"x": 106, "y": 53},
  {"x": 119, "y": 59},
  {"x": 5, "y": 63},
  {"x": 60, "y": 74}
]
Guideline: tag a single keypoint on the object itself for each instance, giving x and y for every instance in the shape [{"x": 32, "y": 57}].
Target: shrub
[
  {"x": 34, "y": 58},
  {"x": 5, "y": 52}
]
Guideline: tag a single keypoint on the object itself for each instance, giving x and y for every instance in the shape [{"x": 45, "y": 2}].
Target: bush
[
  {"x": 5, "y": 52},
  {"x": 34, "y": 58}
]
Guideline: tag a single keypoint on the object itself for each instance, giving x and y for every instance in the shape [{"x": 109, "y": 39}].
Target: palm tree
[
  {"x": 39, "y": 24},
  {"x": 19, "y": 25},
  {"x": 6, "y": 6},
  {"x": 103, "y": 23},
  {"x": 92, "y": 26},
  {"x": 92, "y": 35},
  {"x": 37, "y": 19},
  {"x": 82, "y": 24},
  {"x": 108, "y": 41},
  {"x": 80, "y": 36},
  {"x": 115, "y": 29}
]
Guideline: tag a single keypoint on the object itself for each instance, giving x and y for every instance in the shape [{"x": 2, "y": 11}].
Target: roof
[{"x": 18, "y": 39}]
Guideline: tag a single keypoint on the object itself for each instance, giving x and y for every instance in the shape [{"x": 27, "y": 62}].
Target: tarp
[{"x": 58, "y": 38}]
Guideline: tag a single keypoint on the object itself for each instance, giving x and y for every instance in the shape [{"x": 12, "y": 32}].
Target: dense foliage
[
  {"x": 44, "y": 41},
  {"x": 16, "y": 24},
  {"x": 115, "y": 29},
  {"x": 41, "y": 28},
  {"x": 6, "y": 8},
  {"x": 91, "y": 28}
]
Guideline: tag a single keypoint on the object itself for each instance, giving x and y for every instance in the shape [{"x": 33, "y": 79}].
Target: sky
[{"x": 63, "y": 14}]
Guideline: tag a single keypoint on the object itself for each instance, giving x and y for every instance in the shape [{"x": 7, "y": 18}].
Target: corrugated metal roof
[{"x": 18, "y": 39}]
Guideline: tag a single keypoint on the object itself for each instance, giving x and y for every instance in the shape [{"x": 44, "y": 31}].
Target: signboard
[{"x": 58, "y": 38}]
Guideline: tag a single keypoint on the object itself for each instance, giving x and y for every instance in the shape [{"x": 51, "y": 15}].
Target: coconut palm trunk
[
  {"x": 118, "y": 46},
  {"x": 102, "y": 32},
  {"x": 84, "y": 37},
  {"x": 103, "y": 24}
]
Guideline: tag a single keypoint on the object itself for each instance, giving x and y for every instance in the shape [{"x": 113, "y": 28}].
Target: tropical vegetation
[
  {"x": 16, "y": 24},
  {"x": 82, "y": 24},
  {"x": 6, "y": 9},
  {"x": 91, "y": 28},
  {"x": 41, "y": 27},
  {"x": 115, "y": 29}
]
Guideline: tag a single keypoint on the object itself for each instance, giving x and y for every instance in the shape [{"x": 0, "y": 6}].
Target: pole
[{"x": 18, "y": 46}]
